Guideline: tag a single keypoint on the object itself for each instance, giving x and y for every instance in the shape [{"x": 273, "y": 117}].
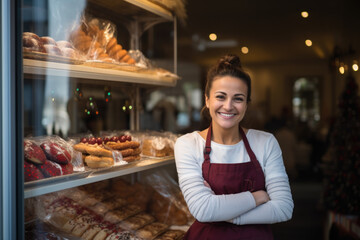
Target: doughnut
[
  {"x": 130, "y": 152},
  {"x": 98, "y": 162}
]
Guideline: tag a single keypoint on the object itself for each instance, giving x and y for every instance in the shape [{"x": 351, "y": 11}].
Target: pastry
[
  {"x": 56, "y": 153},
  {"x": 31, "y": 44},
  {"x": 122, "y": 213},
  {"x": 109, "y": 204},
  {"x": 137, "y": 221},
  {"x": 31, "y": 172},
  {"x": 99, "y": 162},
  {"x": 171, "y": 235},
  {"x": 48, "y": 40},
  {"x": 64, "y": 44},
  {"x": 52, "y": 49},
  {"x": 101, "y": 230},
  {"x": 151, "y": 231},
  {"x": 122, "y": 145},
  {"x": 121, "y": 236},
  {"x": 32, "y": 35},
  {"x": 67, "y": 168},
  {"x": 50, "y": 169},
  {"x": 33, "y": 152},
  {"x": 132, "y": 158}
]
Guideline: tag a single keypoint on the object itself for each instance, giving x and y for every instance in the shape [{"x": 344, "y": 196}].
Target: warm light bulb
[
  {"x": 304, "y": 14},
  {"x": 355, "y": 67},
  {"x": 213, "y": 36},
  {"x": 244, "y": 50},
  {"x": 342, "y": 69},
  {"x": 308, "y": 42}
]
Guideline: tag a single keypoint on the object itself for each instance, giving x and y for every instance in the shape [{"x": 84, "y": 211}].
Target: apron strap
[
  {"x": 207, "y": 148},
  {"x": 248, "y": 149}
]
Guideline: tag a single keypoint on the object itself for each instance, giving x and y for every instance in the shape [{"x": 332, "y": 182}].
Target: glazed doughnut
[
  {"x": 98, "y": 162},
  {"x": 95, "y": 52},
  {"x": 131, "y": 158},
  {"x": 123, "y": 145},
  {"x": 48, "y": 40},
  {"x": 52, "y": 49}
]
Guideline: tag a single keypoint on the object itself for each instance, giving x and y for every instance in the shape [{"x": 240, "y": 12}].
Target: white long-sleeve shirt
[{"x": 238, "y": 208}]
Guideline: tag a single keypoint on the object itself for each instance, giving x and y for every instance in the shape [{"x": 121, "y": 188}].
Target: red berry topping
[
  {"x": 128, "y": 138},
  {"x": 84, "y": 140},
  {"x": 92, "y": 140},
  {"x": 114, "y": 139},
  {"x": 106, "y": 139},
  {"x": 123, "y": 138},
  {"x": 99, "y": 140}
]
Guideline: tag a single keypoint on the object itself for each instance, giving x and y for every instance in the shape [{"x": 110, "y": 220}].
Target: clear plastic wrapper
[
  {"x": 96, "y": 154},
  {"x": 49, "y": 156},
  {"x": 167, "y": 203},
  {"x": 96, "y": 39}
]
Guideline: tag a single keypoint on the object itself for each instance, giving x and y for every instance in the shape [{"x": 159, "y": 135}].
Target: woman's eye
[
  {"x": 239, "y": 99},
  {"x": 220, "y": 97}
]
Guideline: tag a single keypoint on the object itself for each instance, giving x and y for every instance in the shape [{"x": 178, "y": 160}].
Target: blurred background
[{"x": 303, "y": 58}]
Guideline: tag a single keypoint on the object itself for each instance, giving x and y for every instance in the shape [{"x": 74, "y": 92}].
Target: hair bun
[{"x": 230, "y": 60}]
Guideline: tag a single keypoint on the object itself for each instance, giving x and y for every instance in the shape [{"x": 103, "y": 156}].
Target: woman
[{"x": 233, "y": 179}]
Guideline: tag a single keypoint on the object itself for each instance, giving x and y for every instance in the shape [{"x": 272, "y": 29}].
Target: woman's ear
[{"x": 207, "y": 101}]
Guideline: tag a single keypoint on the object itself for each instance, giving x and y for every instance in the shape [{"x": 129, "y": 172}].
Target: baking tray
[
  {"x": 51, "y": 180},
  {"x": 51, "y": 58}
]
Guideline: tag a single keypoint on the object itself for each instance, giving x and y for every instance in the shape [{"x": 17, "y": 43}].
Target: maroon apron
[{"x": 230, "y": 179}]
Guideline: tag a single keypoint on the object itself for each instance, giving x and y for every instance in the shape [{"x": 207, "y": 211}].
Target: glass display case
[{"x": 73, "y": 75}]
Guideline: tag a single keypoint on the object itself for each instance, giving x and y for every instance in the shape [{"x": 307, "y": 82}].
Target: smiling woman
[{"x": 233, "y": 179}]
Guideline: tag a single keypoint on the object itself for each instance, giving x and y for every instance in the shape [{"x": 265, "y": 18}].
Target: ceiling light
[
  {"x": 308, "y": 42},
  {"x": 244, "y": 50},
  {"x": 304, "y": 14},
  {"x": 342, "y": 69},
  {"x": 212, "y": 36},
  {"x": 355, "y": 67}
]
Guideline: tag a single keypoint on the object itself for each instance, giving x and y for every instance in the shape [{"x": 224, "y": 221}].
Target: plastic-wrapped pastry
[
  {"x": 137, "y": 221},
  {"x": 151, "y": 231},
  {"x": 122, "y": 213}
]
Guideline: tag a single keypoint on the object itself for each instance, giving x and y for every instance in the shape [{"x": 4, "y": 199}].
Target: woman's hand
[
  {"x": 206, "y": 184},
  {"x": 260, "y": 197}
]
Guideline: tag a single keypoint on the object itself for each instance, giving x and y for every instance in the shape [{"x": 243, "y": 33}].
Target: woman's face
[{"x": 227, "y": 101}]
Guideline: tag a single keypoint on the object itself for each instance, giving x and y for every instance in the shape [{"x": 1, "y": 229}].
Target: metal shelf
[
  {"x": 95, "y": 176},
  {"x": 89, "y": 72}
]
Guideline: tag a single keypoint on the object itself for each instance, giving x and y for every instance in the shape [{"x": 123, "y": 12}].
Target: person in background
[{"x": 233, "y": 179}]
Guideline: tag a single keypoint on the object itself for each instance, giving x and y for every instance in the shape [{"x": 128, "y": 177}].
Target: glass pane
[{"x": 87, "y": 65}]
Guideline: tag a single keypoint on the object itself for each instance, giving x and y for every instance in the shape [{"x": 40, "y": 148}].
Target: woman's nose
[{"x": 228, "y": 104}]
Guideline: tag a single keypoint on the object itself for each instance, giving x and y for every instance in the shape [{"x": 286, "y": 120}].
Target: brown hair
[{"x": 228, "y": 65}]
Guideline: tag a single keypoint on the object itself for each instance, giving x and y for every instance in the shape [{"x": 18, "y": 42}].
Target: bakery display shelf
[
  {"x": 50, "y": 186},
  {"x": 90, "y": 72},
  {"x": 131, "y": 8}
]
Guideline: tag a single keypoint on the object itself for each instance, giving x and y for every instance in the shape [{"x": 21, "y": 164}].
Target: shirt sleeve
[
  {"x": 278, "y": 209},
  {"x": 203, "y": 204}
]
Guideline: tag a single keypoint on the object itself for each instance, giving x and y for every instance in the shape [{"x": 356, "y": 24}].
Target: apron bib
[{"x": 230, "y": 179}]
